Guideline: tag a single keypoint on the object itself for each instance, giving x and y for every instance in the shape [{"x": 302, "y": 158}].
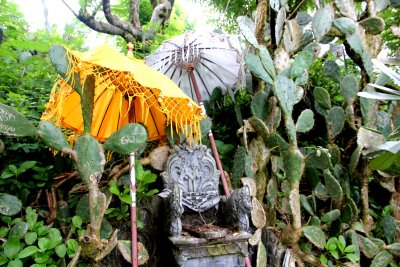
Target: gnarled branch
[{"x": 130, "y": 30}]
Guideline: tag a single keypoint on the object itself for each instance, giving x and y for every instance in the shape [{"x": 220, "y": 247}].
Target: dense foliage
[{"x": 324, "y": 159}]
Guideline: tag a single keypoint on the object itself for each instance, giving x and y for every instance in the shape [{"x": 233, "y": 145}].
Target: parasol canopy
[
  {"x": 126, "y": 90},
  {"x": 215, "y": 59}
]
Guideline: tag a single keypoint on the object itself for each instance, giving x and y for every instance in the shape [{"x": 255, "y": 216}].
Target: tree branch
[
  {"x": 130, "y": 30},
  {"x": 295, "y": 10},
  {"x": 107, "y": 28},
  {"x": 117, "y": 22},
  {"x": 134, "y": 14}
]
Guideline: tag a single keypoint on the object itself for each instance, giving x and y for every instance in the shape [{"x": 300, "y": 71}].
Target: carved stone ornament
[{"x": 193, "y": 169}]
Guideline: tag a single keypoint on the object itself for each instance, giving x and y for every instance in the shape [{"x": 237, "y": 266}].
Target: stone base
[{"x": 200, "y": 252}]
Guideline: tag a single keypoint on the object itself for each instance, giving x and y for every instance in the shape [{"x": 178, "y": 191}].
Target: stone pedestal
[{"x": 229, "y": 251}]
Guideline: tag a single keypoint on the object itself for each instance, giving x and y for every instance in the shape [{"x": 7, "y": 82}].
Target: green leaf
[
  {"x": 124, "y": 247},
  {"x": 30, "y": 238},
  {"x": 52, "y": 136},
  {"x": 26, "y": 252},
  {"x": 31, "y": 217},
  {"x": 335, "y": 121},
  {"x": 321, "y": 23},
  {"x": 12, "y": 247},
  {"x": 26, "y": 165},
  {"x": 13, "y": 169},
  {"x": 354, "y": 258},
  {"x": 323, "y": 259},
  {"x": 90, "y": 158},
  {"x": 349, "y": 88},
  {"x": 389, "y": 228},
  {"x": 72, "y": 244},
  {"x": 77, "y": 221},
  {"x": 259, "y": 105},
  {"x": 301, "y": 63},
  {"x": 369, "y": 248},
  {"x": 3, "y": 260},
  {"x": 382, "y": 259},
  {"x": 55, "y": 236},
  {"x": 341, "y": 243},
  {"x": 315, "y": 235},
  {"x": 305, "y": 122},
  {"x": 13, "y": 123},
  {"x": 126, "y": 199},
  {"x": 318, "y": 159},
  {"x": 106, "y": 229},
  {"x": 42, "y": 230},
  {"x": 253, "y": 62},
  {"x": 44, "y": 243},
  {"x": 285, "y": 91},
  {"x": 335, "y": 254},
  {"x": 61, "y": 250},
  {"x": 305, "y": 204},
  {"x": 261, "y": 255},
  {"x": 19, "y": 230},
  {"x": 280, "y": 21},
  {"x": 267, "y": 61},
  {"x": 394, "y": 249},
  {"x": 246, "y": 27},
  {"x": 3, "y": 231},
  {"x": 15, "y": 263},
  {"x": 349, "y": 249},
  {"x": 331, "y": 216},
  {"x": 383, "y": 161},
  {"x": 42, "y": 258},
  {"x": 130, "y": 138},
  {"x": 322, "y": 97},
  {"x": 9, "y": 204},
  {"x": 333, "y": 186},
  {"x": 345, "y": 25},
  {"x": 332, "y": 70}
]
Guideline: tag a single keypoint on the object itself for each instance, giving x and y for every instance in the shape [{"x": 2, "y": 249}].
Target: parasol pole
[
  {"x": 214, "y": 147},
  {"x": 210, "y": 135},
  {"x": 134, "y": 245}
]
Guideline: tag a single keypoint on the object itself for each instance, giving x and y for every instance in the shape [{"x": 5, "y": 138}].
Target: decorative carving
[
  {"x": 191, "y": 182},
  {"x": 193, "y": 169},
  {"x": 239, "y": 207},
  {"x": 175, "y": 203}
]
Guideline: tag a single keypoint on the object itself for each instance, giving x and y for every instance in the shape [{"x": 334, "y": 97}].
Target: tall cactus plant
[
  {"x": 89, "y": 159},
  {"x": 295, "y": 39}
]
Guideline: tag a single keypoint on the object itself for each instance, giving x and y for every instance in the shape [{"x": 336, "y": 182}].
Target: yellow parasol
[{"x": 126, "y": 90}]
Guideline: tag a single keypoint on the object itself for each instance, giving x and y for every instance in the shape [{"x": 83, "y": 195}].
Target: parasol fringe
[{"x": 182, "y": 115}]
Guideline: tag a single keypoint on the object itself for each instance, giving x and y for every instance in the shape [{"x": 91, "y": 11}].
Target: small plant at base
[
  {"x": 338, "y": 250},
  {"x": 31, "y": 243}
]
